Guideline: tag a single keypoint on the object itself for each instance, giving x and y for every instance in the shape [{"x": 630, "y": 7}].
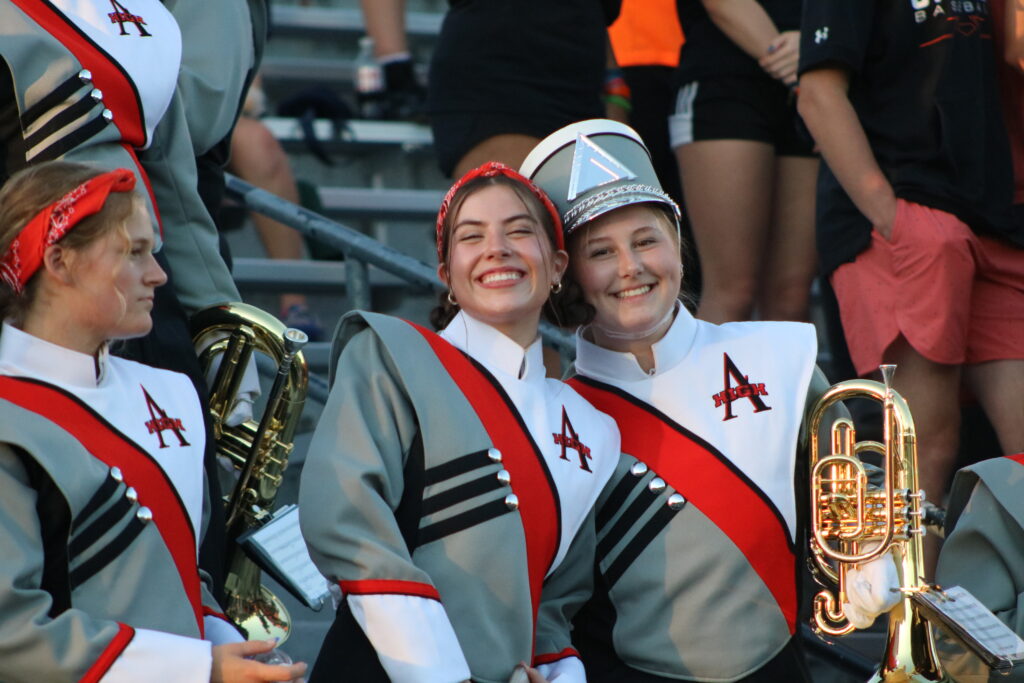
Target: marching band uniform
[
  {"x": 447, "y": 481},
  {"x": 984, "y": 550},
  {"x": 82, "y": 83},
  {"x": 103, "y": 494},
  {"x": 697, "y": 531}
]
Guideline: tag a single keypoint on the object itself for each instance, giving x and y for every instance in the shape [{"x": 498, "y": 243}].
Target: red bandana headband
[
  {"x": 489, "y": 170},
  {"x": 25, "y": 254}
]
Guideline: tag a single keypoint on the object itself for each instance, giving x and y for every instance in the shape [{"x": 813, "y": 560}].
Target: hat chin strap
[{"x": 639, "y": 334}]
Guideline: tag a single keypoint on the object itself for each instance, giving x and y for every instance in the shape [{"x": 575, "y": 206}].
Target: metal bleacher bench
[
  {"x": 354, "y": 135},
  {"x": 381, "y": 204},
  {"x": 295, "y": 19}
]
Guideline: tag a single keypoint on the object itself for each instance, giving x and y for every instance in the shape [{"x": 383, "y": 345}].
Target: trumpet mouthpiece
[
  {"x": 294, "y": 340},
  {"x": 888, "y": 371}
]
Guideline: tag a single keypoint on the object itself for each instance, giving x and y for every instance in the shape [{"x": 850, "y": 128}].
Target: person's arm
[
  {"x": 352, "y": 484},
  {"x": 748, "y": 26},
  {"x": 826, "y": 109}
]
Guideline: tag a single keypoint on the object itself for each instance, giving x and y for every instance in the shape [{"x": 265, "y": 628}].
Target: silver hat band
[{"x": 614, "y": 198}]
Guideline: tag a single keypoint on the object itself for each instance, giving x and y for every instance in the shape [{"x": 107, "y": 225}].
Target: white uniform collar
[
  {"x": 604, "y": 364},
  {"x": 39, "y": 358},
  {"x": 498, "y": 353}
]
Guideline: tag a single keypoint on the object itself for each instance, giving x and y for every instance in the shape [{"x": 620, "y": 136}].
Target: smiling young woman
[
  {"x": 449, "y": 485},
  {"x": 101, "y": 458},
  {"x": 698, "y": 534}
]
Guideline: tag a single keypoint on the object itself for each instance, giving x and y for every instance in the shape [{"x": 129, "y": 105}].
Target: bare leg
[
  {"x": 999, "y": 386},
  {"x": 727, "y": 187},
  {"x": 257, "y": 158},
  {"x": 932, "y": 393},
  {"x": 385, "y": 23},
  {"x": 791, "y": 257},
  {"x": 510, "y": 149}
]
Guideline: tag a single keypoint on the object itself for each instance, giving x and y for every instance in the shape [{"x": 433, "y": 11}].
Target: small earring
[
  {"x": 451, "y": 299},
  {"x": 557, "y": 287}
]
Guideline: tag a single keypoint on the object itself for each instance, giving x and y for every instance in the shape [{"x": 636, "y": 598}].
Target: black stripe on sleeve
[
  {"x": 102, "y": 495},
  {"x": 462, "y": 521},
  {"x": 71, "y": 140},
  {"x": 633, "y": 513},
  {"x": 105, "y": 556},
  {"x": 52, "y": 99},
  {"x": 637, "y": 544},
  {"x": 453, "y": 468},
  {"x": 102, "y": 525},
  {"x": 615, "y": 500},
  {"x": 461, "y": 493},
  {"x": 61, "y": 120}
]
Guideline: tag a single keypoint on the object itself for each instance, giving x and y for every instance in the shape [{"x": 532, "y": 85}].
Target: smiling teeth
[
  {"x": 498, "y": 277},
  {"x": 636, "y": 291}
]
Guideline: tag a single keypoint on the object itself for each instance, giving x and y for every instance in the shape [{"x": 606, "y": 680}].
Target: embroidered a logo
[
  {"x": 122, "y": 16},
  {"x": 570, "y": 441},
  {"x": 161, "y": 422},
  {"x": 743, "y": 388}
]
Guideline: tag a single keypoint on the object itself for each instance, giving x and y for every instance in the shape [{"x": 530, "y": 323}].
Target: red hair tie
[
  {"x": 24, "y": 256},
  {"x": 489, "y": 170}
]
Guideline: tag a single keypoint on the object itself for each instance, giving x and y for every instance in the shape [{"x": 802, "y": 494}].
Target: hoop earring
[
  {"x": 557, "y": 287},
  {"x": 451, "y": 299}
]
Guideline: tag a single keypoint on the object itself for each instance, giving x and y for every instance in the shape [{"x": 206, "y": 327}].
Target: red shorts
[{"x": 955, "y": 296}]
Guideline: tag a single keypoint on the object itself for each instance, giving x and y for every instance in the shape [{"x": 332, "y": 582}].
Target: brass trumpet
[
  {"x": 853, "y": 523},
  {"x": 258, "y": 450}
]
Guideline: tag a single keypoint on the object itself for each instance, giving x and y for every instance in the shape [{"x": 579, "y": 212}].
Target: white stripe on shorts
[{"x": 680, "y": 123}]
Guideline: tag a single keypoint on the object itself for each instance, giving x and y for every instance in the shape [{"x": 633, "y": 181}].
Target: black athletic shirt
[
  {"x": 709, "y": 52},
  {"x": 922, "y": 81}
]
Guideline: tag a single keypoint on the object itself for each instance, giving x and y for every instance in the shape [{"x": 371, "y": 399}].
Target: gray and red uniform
[
  {"x": 449, "y": 490},
  {"x": 697, "y": 553},
  {"x": 102, "y": 506}
]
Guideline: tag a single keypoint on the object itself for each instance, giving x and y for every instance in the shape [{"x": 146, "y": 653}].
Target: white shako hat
[{"x": 592, "y": 167}]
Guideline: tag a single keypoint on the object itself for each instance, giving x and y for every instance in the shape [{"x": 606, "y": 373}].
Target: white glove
[
  {"x": 872, "y": 588},
  {"x": 248, "y": 389}
]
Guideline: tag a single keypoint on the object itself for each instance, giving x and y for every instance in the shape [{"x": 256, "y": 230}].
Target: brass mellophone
[
  {"x": 258, "y": 450},
  {"x": 853, "y": 523}
]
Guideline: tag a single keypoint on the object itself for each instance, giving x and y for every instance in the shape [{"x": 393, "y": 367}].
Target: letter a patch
[
  {"x": 743, "y": 388},
  {"x": 122, "y": 16},
  {"x": 569, "y": 440},
  {"x": 161, "y": 421}
]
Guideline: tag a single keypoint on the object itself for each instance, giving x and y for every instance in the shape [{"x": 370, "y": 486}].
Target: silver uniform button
[
  {"x": 656, "y": 485},
  {"x": 108, "y": 115},
  {"x": 131, "y": 494},
  {"x": 638, "y": 469},
  {"x": 512, "y": 501},
  {"x": 494, "y": 454},
  {"x": 85, "y": 76},
  {"x": 144, "y": 514},
  {"x": 115, "y": 474},
  {"x": 676, "y": 501},
  {"x": 504, "y": 478},
  {"x": 96, "y": 94}
]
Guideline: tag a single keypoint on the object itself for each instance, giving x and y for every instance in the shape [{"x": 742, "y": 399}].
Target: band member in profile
[
  {"x": 699, "y": 530},
  {"x": 449, "y": 484},
  {"x": 101, "y": 458}
]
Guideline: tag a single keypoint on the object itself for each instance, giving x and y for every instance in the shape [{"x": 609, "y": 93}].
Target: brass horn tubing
[
  {"x": 827, "y": 618},
  {"x": 236, "y": 350}
]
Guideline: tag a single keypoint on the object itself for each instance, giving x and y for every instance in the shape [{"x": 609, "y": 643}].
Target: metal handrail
[{"x": 360, "y": 250}]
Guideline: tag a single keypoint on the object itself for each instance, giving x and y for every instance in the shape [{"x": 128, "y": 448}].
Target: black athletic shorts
[{"x": 740, "y": 108}]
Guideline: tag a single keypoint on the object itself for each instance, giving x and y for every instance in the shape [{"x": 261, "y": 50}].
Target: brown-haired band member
[
  {"x": 449, "y": 483},
  {"x": 101, "y": 458},
  {"x": 698, "y": 530}
]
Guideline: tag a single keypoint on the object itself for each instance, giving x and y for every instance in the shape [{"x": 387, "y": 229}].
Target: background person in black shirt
[{"x": 913, "y": 209}]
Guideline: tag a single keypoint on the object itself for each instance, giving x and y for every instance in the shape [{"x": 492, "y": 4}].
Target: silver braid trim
[{"x": 615, "y": 197}]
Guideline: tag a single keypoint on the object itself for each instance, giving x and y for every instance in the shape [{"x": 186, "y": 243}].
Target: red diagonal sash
[
  {"x": 1018, "y": 458},
  {"x": 113, "y": 449},
  {"x": 717, "y": 490},
  {"x": 537, "y": 507},
  {"x": 119, "y": 93}
]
